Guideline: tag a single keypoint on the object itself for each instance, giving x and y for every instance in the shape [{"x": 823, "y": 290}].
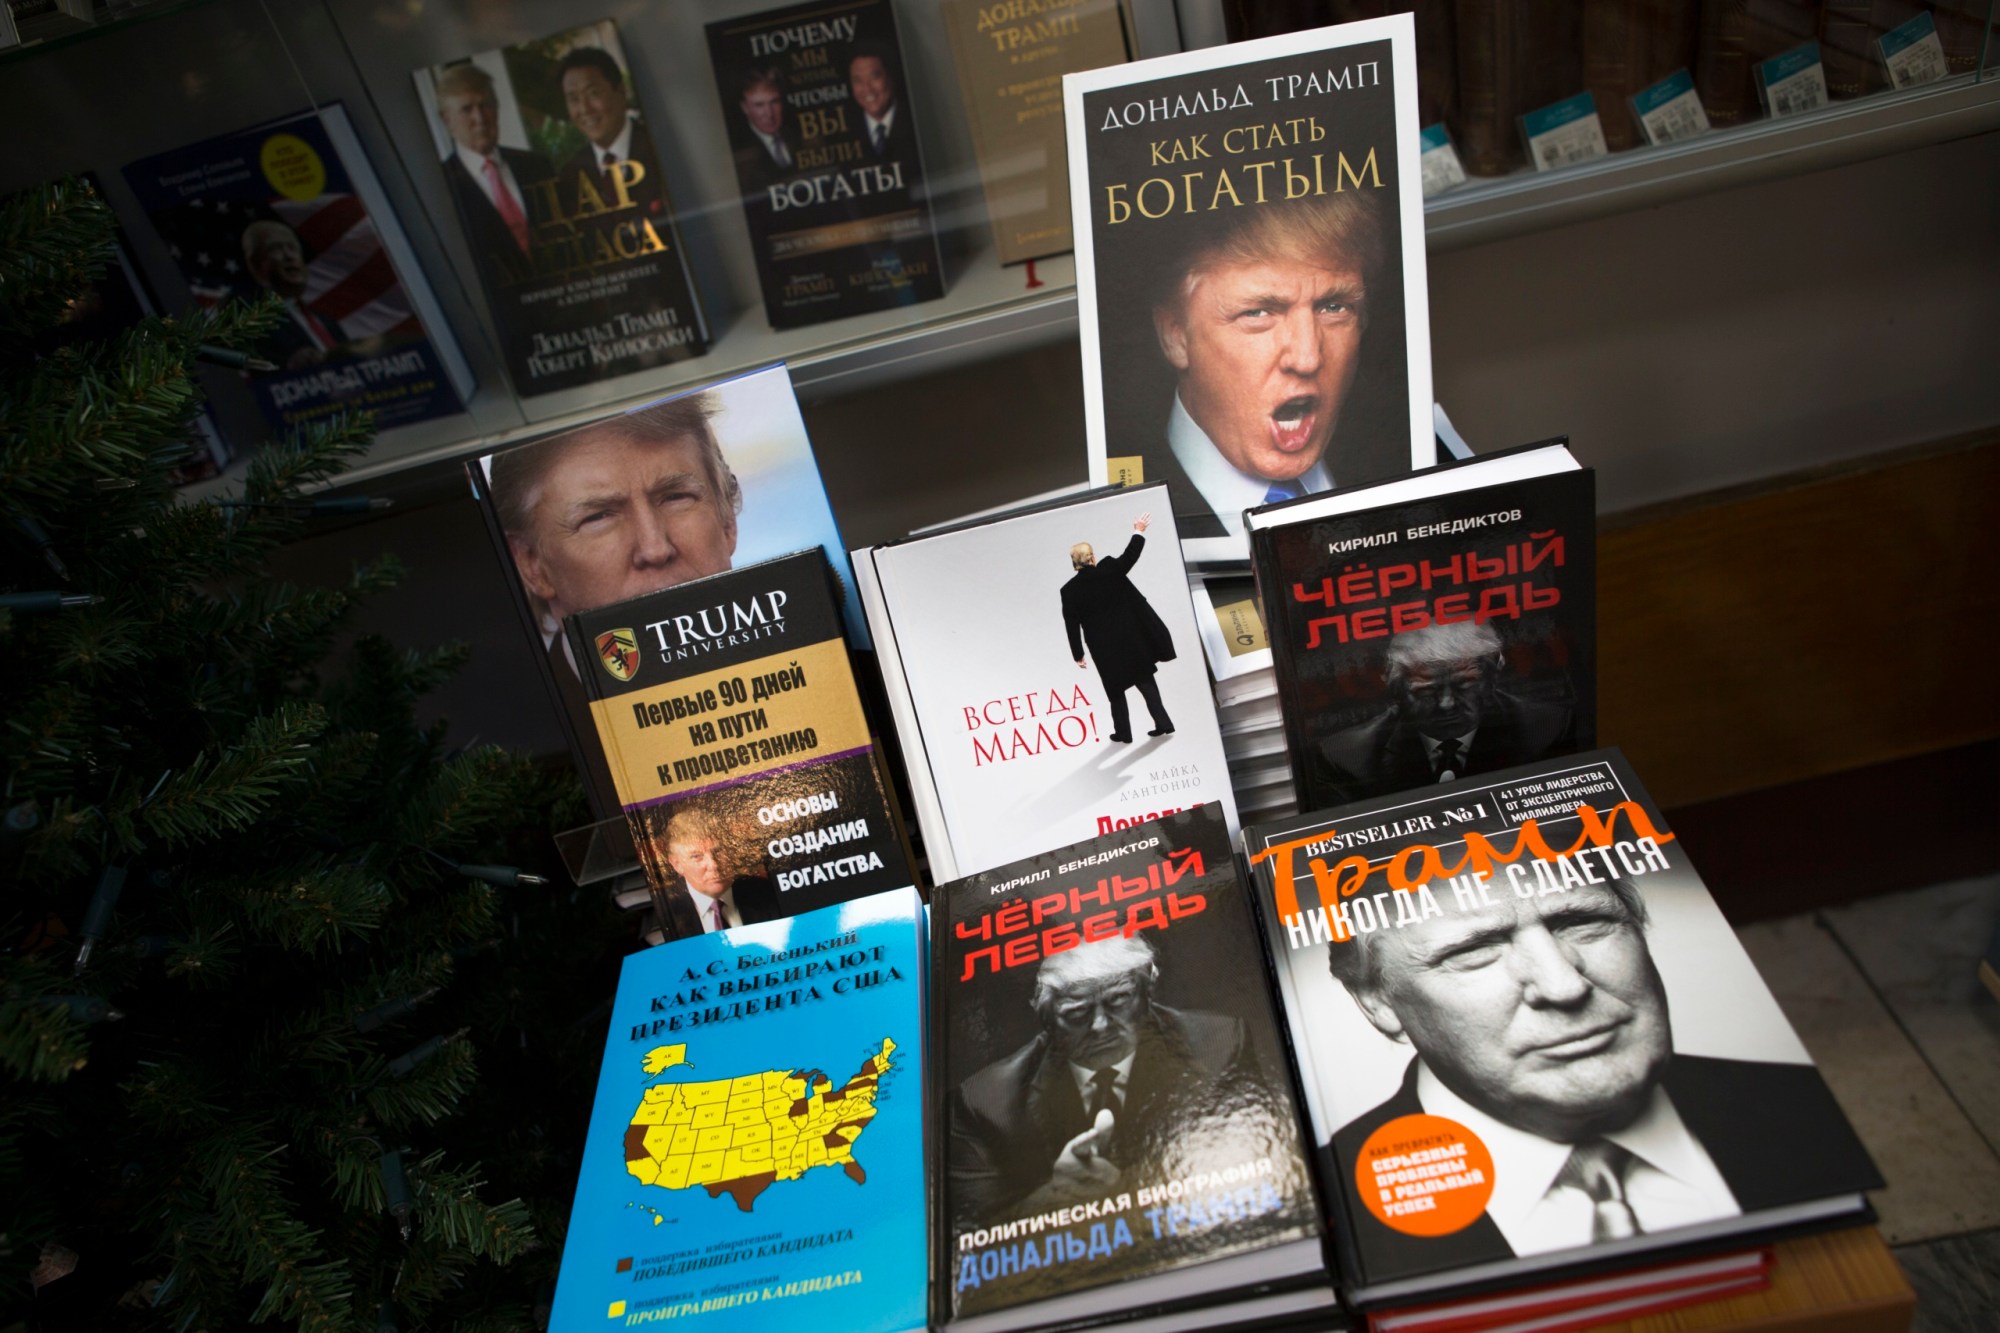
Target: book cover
[
  {"x": 557, "y": 186},
  {"x": 824, "y": 137},
  {"x": 292, "y": 209},
  {"x": 675, "y": 489},
  {"x": 1427, "y": 640},
  {"x": 1010, "y": 61},
  {"x": 755, "y": 1157},
  {"x": 1045, "y": 677},
  {"x": 1528, "y": 1040},
  {"x": 738, "y": 746},
  {"x": 1250, "y": 271},
  {"x": 1115, "y": 1098}
]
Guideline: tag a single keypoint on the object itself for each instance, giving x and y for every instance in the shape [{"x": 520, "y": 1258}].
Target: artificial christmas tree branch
[{"x": 279, "y": 991}]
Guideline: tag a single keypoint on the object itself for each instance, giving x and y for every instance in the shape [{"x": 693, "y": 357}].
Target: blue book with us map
[{"x": 756, "y": 1149}]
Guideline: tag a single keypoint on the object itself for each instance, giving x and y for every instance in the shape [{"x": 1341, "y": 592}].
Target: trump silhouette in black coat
[{"x": 1110, "y": 618}]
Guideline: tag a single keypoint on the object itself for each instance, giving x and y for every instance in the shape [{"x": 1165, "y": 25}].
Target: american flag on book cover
[{"x": 275, "y": 210}]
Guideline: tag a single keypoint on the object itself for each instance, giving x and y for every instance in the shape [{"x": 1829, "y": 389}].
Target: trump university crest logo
[{"x": 618, "y": 649}]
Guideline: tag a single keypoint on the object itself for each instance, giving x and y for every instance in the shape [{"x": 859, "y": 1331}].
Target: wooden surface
[
  {"x": 1767, "y": 635},
  {"x": 1841, "y": 1282}
]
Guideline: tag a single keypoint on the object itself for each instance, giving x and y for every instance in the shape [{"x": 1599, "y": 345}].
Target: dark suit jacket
[
  {"x": 755, "y": 170},
  {"x": 1772, "y": 1130},
  {"x": 901, "y": 146},
  {"x": 649, "y": 193},
  {"x": 282, "y": 342},
  {"x": 1381, "y": 755},
  {"x": 756, "y": 900},
  {"x": 1103, "y": 610},
  {"x": 1010, "y": 1120},
  {"x": 493, "y": 247}
]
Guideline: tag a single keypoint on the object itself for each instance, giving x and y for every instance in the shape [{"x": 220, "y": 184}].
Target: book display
[
  {"x": 1485, "y": 65},
  {"x": 824, "y": 134},
  {"x": 737, "y": 744},
  {"x": 1194, "y": 891},
  {"x": 292, "y": 208},
  {"x": 556, "y": 181}
]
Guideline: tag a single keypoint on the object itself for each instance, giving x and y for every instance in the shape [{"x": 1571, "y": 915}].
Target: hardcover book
[
  {"x": 1010, "y": 62},
  {"x": 1441, "y": 634},
  {"x": 1045, "y": 677},
  {"x": 1529, "y": 1042},
  {"x": 676, "y": 489},
  {"x": 1117, "y": 1124},
  {"x": 738, "y": 745},
  {"x": 292, "y": 209},
  {"x": 824, "y": 136},
  {"x": 755, "y": 1158},
  {"x": 558, "y": 189},
  {"x": 1250, "y": 271}
]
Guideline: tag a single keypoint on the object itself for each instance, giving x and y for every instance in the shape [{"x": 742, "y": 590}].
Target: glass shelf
[{"x": 160, "y": 76}]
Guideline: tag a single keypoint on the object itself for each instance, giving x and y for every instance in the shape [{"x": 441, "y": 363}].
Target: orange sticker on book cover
[{"x": 1424, "y": 1175}]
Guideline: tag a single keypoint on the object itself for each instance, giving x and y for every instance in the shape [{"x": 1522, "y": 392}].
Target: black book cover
[
  {"x": 824, "y": 138},
  {"x": 1132, "y": 953},
  {"x": 728, "y": 712},
  {"x": 1528, "y": 1041},
  {"x": 557, "y": 184},
  {"x": 1443, "y": 636}
]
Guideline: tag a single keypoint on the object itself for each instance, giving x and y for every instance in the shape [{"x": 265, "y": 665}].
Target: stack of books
[{"x": 1246, "y": 691}]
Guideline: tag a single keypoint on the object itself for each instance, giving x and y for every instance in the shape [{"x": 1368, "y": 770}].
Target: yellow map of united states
[{"x": 741, "y": 1135}]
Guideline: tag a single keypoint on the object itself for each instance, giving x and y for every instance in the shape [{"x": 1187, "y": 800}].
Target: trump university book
[
  {"x": 756, "y": 1149},
  {"x": 1528, "y": 1041},
  {"x": 735, "y": 735}
]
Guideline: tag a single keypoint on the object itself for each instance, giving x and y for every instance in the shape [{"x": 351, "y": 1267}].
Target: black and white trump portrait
[
  {"x": 1119, "y": 1065},
  {"x": 1607, "y": 1041}
]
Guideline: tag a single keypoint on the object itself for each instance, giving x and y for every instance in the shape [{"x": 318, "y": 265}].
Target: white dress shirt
[
  {"x": 887, "y": 125},
  {"x": 1671, "y": 1183},
  {"x": 621, "y": 147},
  {"x": 1227, "y": 491},
  {"x": 701, "y": 903}
]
